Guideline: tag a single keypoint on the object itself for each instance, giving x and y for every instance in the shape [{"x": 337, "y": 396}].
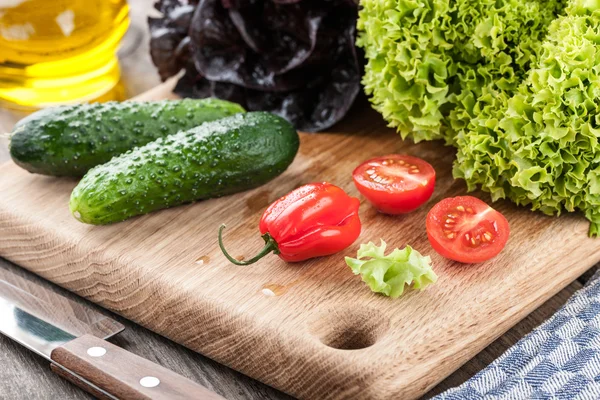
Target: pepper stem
[{"x": 270, "y": 246}]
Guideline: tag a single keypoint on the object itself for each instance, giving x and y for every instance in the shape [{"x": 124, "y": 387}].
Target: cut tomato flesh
[
  {"x": 394, "y": 174},
  {"x": 395, "y": 184},
  {"x": 466, "y": 229}
]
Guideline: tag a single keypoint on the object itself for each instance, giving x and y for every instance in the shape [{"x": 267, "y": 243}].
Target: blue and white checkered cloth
[{"x": 558, "y": 360}]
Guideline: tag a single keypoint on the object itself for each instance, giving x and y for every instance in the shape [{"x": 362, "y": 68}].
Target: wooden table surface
[{"x": 25, "y": 375}]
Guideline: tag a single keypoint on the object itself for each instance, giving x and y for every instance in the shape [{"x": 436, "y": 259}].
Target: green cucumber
[
  {"x": 215, "y": 159},
  {"x": 70, "y": 140}
]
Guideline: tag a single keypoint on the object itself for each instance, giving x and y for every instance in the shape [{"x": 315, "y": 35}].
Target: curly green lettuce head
[
  {"x": 514, "y": 85},
  {"x": 390, "y": 274},
  {"x": 539, "y": 147},
  {"x": 429, "y": 62}
]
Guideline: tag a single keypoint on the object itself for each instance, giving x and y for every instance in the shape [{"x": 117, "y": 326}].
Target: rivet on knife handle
[{"x": 123, "y": 374}]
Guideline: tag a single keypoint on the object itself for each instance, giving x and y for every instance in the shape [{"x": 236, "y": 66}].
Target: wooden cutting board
[{"x": 313, "y": 329}]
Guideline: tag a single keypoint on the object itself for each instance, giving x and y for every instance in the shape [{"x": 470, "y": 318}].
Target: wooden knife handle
[
  {"x": 123, "y": 374},
  {"x": 77, "y": 381}
]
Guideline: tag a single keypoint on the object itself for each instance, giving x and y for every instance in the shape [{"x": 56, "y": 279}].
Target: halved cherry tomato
[
  {"x": 395, "y": 184},
  {"x": 466, "y": 229}
]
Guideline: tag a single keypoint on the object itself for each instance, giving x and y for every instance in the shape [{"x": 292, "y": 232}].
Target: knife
[{"x": 72, "y": 337}]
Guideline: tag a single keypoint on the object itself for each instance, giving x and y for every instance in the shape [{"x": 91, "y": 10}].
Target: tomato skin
[
  {"x": 406, "y": 182},
  {"x": 467, "y": 230}
]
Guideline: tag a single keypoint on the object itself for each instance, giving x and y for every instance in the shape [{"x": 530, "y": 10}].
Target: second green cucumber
[{"x": 215, "y": 159}]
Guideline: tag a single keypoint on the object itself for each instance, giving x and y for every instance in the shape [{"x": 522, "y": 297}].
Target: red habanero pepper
[{"x": 314, "y": 220}]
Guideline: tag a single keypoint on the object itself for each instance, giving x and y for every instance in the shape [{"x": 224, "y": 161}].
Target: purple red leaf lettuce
[{"x": 295, "y": 58}]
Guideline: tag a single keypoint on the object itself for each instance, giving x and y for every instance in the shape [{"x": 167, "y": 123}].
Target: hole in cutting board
[{"x": 348, "y": 328}]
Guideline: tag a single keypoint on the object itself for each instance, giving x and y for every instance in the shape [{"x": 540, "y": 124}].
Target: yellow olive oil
[{"x": 59, "y": 51}]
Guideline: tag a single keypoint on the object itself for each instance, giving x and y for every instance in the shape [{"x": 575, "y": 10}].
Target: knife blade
[{"x": 72, "y": 337}]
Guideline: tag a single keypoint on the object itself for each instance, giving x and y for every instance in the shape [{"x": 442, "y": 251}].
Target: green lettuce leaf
[{"x": 390, "y": 274}]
